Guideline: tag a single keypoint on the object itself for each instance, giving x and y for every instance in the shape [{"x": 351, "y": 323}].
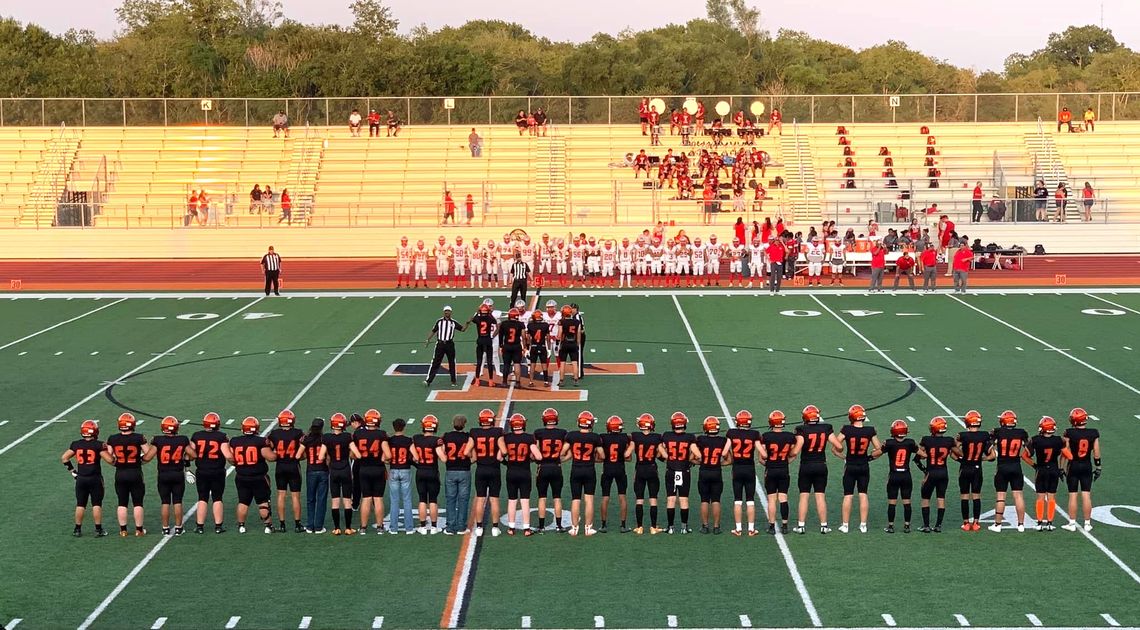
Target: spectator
[
  {"x": 267, "y": 198},
  {"x": 849, "y": 238},
  {"x": 540, "y": 122},
  {"x": 674, "y": 122},
  {"x": 891, "y": 240},
  {"x": 766, "y": 231},
  {"x": 738, "y": 230},
  {"x": 878, "y": 266},
  {"x": 627, "y": 162},
  {"x": 976, "y": 247},
  {"x": 203, "y": 207},
  {"x": 1088, "y": 200},
  {"x": 777, "y": 254},
  {"x": 977, "y": 206},
  {"x": 520, "y": 121},
  {"x": 1090, "y": 119},
  {"x": 373, "y": 124},
  {"x": 643, "y": 115},
  {"x": 962, "y": 260},
  {"x": 945, "y": 233},
  {"x": 354, "y": 120},
  {"x": 531, "y": 125},
  {"x": 776, "y": 121},
  {"x": 1061, "y": 197},
  {"x": 191, "y": 207},
  {"x": 686, "y": 127},
  {"x": 448, "y": 208},
  {"x": 738, "y": 203},
  {"x": 394, "y": 125},
  {"x": 654, "y": 127},
  {"x": 996, "y": 211},
  {"x": 286, "y": 207},
  {"x": 255, "y": 199},
  {"x": 904, "y": 267},
  {"x": 708, "y": 200},
  {"x": 280, "y": 124},
  {"x": 470, "y": 203},
  {"x": 1065, "y": 119},
  {"x": 699, "y": 118},
  {"x": 1041, "y": 199},
  {"x": 872, "y": 228},
  {"x": 933, "y": 209},
  {"x": 475, "y": 143},
  {"x": 759, "y": 197},
  {"x": 641, "y": 163}
]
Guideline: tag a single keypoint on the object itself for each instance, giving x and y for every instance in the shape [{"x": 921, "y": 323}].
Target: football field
[{"x": 66, "y": 358}]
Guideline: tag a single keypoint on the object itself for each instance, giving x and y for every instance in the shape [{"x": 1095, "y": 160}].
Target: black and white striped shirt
[
  {"x": 444, "y": 329},
  {"x": 271, "y": 262},
  {"x": 519, "y": 270}
]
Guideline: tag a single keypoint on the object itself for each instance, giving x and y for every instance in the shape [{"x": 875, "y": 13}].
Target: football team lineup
[{"x": 68, "y": 358}]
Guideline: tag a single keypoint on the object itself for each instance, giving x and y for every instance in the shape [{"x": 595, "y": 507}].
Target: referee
[
  {"x": 581, "y": 339},
  {"x": 271, "y": 265},
  {"x": 444, "y": 333},
  {"x": 520, "y": 271}
]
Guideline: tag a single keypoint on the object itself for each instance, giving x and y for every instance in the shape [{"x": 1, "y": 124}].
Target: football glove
[
  {"x": 1061, "y": 474},
  {"x": 71, "y": 469},
  {"x": 919, "y": 465},
  {"x": 190, "y": 478},
  {"x": 1096, "y": 474}
]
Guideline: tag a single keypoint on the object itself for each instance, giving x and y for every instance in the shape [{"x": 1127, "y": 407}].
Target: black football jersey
[
  {"x": 338, "y": 452},
  {"x": 511, "y": 334},
  {"x": 88, "y": 457},
  {"x": 425, "y": 445},
  {"x": 486, "y": 445},
  {"x": 550, "y": 441},
  {"x": 583, "y": 447},
  {"x": 613, "y": 451},
  {"x": 778, "y": 447},
  {"x": 286, "y": 443},
  {"x": 400, "y": 450},
  {"x": 455, "y": 451},
  {"x": 1009, "y": 441},
  {"x": 898, "y": 454},
  {"x": 937, "y": 449},
  {"x": 208, "y": 446},
  {"x": 485, "y": 324},
  {"x": 677, "y": 449},
  {"x": 370, "y": 443},
  {"x": 857, "y": 441},
  {"x": 711, "y": 448},
  {"x": 645, "y": 448},
  {"x": 170, "y": 452},
  {"x": 313, "y": 452},
  {"x": 816, "y": 436},
  {"x": 975, "y": 445},
  {"x": 248, "y": 459},
  {"x": 537, "y": 332},
  {"x": 571, "y": 328},
  {"x": 1081, "y": 440},
  {"x": 127, "y": 449},
  {"x": 518, "y": 454},
  {"x": 743, "y": 446},
  {"x": 1046, "y": 450}
]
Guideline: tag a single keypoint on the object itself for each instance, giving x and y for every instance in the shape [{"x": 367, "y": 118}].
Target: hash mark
[
  {"x": 671, "y": 620},
  {"x": 525, "y": 623},
  {"x": 377, "y": 623},
  {"x": 1109, "y": 620},
  {"x": 805, "y": 350},
  {"x": 948, "y": 348},
  {"x": 628, "y": 350},
  {"x": 230, "y": 421},
  {"x": 1020, "y": 349},
  {"x": 22, "y": 353},
  {"x": 664, "y": 349},
  {"x": 93, "y": 353},
  {"x": 3, "y": 422},
  {"x": 599, "y": 621},
  {"x": 59, "y": 353},
  {"x": 232, "y": 623},
  {"x": 745, "y": 622},
  {"x": 272, "y": 352},
  {"x": 201, "y": 352},
  {"x": 962, "y": 621},
  {"x": 889, "y": 620},
  {"x": 910, "y": 418},
  {"x": 1090, "y": 347},
  {"x": 1033, "y": 619},
  {"x": 237, "y": 352},
  {"x": 1127, "y": 348},
  {"x": 983, "y": 349},
  {"x": 310, "y": 351},
  {"x": 158, "y": 623},
  {"x": 841, "y": 349},
  {"x": 734, "y": 350},
  {"x": 305, "y": 621}
]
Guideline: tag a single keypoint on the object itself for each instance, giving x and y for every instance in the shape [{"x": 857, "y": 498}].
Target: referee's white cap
[{"x": 447, "y": 309}]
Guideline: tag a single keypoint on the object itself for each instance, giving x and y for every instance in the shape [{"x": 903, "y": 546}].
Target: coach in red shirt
[
  {"x": 777, "y": 252},
  {"x": 878, "y": 265},
  {"x": 945, "y": 233},
  {"x": 904, "y": 266},
  {"x": 962, "y": 259},
  {"x": 929, "y": 259}
]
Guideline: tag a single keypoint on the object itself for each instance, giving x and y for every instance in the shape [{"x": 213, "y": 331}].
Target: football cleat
[
  {"x": 776, "y": 419},
  {"x": 169, "y": 425},
  {"x": 994, "y": 528},
  {"x": 972, "y": 418},
  {"x": 711, "y": 425},
  {"x": 89, "y": 429},
  {"x": 856, "y": 413},
  {"x": 937, "y": 425},
  {"x": 250, "y": 426},
  {"x": 646, "y": 422},
  {"x": 1007, "y": 419},
  {"x": 585, "y": 420},
  {"x": 517, "y": 422},
  {"x": 1078, "y": 417},
  {"x": 338, "y": 422},
  {"x": 810, "y": 414},
  {"x": 744, "y": 418},
  {"x": 613, "y": 424},
  {"x": 899, "y": 428},
  {"x": 127, "y": 422},
  {"x": 286, "y": 419},
  {"x": 486, "y": 418},
  {"x": 211, "y": 421},
  {"x": 1047, "y": 425}
]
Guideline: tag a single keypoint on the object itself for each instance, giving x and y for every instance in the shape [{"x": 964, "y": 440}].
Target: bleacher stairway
[
  {"x": 802, "y": 184},
  {"x": 50, "y": 180},
  {"x": 549, "y": 178},
  {"x": 1047, "y": 162},
  {"x": 304, "y": 168}
]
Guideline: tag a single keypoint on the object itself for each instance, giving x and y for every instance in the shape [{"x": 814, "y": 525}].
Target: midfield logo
[{"x": 472, "y": 389}]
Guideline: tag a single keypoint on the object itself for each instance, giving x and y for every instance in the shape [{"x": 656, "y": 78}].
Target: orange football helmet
[
  {"x": 678, "y": 420},
  {"x": 517, "y": 422},
  {"x": 711, "y": 425},
  {"x": 169, "y": 425},
  {"x": 972, "y": 418},
  {"x": 513, "y": 313},
  {"x": 550, "y": 416},
  {"x": 536, "y": 316},
  {"x": 585, "y": 420},
  {"x": 937, "y": 425},
  {"x": 211, "y": 421},
  {"x": 744, "y": 418},
  {"x": 89, "y": 429},
  {"x": 646, "y": 422},
  {"x": 372, "y": 418},
  {"x": 338, "y": 421},
  {"x": 485, "y": 308},
  {"x": 613, "y": 424},
  {"x": 810, "y": 414},
  {"x": 250, "y": 426},
  {"x": 286, "y": 419},
  {"x": 567, "y": 311},
  {"x": 486, "y": 418},
  {"x": 856, "y": 413},
  {"x": 431, "y": 423},
  {"x": 1078, "y": 417},
  {"x": 776, "y": 419},
  {"x": 899, "y": 428},
  {"x": 1047, "y": 425},
  {"x": 1007, "y": 419},
  {"x": 127, "y": 422}
]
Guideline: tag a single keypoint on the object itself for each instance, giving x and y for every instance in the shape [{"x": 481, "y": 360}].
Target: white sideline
[
  {"x": 797, "y": 579},
  {"x": 126, "y": 581},
  {"x": 1120, "y": 306},
  {"x": 64, "y": 322},
  {"x": 1049, "y": 346},
  {"x": 108, "y": 384},
  {"x": 1111, "y": 556}
]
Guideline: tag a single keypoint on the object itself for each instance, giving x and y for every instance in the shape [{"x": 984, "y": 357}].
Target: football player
[
  {"x": 517, "y": 447},
  {"x": 537, "y": 337},
  {"x": 249, "y": 453},
  {"x": 403, "y": 263},
  {"x": 483, "y": 447},
  {"x": 87, "y": 452},
  {"x": 582, "y": 448},
  {"x": 129, "y": 450},
  {"x": 1045, "y": 448},
  {"x": 371, "y": 441},
  {"x": 398, "y": 454},
  {"x": 569, "y": 343},
  {"x": 512, "y": 335},
  {"x": 212, "y": 450},
  {"x": 485, "y": 330},
  {"x": 174, "y": 453},
  {"x": 337, "y": 450},
  {"x": 646, "y": 482},
  {"x": 285, "y": 440},
  {"x": 934, "y": 450},
  {"x": 548, "y": 444},
  {"x": 743, "y": 441},
  {"x": 899, "y": 450},
  {"x": 1083, "y": 446},
  {"x": 712, "y": 451},
  {"x": 675, "y": 450},
  {"x": 1008, "y": 445},
  {"x": 971, "y": 448},
  {"x": 857, "y": 443},
  {"x": 777, "y": 449},
  {"x": 812, "y": 440},
  {"x": 617, "y": 449},
  {"x": 425, "y": 454}
]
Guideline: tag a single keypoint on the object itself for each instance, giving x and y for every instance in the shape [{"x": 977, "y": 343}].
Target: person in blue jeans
[
  {"x": 457, "y": 480},
  {"x": 398, "y": 454},
  {"x": 316, "y": 479}
]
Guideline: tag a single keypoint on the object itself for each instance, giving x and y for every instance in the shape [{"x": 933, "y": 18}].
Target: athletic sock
[
  {"x": 542, "y": 522},
  {"x": 1039, "y": 508},
  {"x": 670, "y": 515},
  {"x": 785, "y": 510},
  {"x": 623, "y": 524},
  {"x": 738, "y": 526},
  {"x": 1052, "y": 508},
  {"x": 336, "y": 518},
  {"x": 977, "y": 509},
  {"x": 926, "y": 516},
  {"x": 685, "y": 516},
  {"x": 603, "y": 524},
  {"x": 941, "y": 513},
  {"x": 122, "y": 528},
  {"x": 282, "y": 524},
  {"x": 296, "y": 522},
  {"x": 348, "y": 518},
  {"x": 653, "y": 516},
  {"x": 908, "y": 512},
  {"x": 891, "y": 513},
  {"x": 965, "y": 509},
  {"x": 639, "y": 513}
]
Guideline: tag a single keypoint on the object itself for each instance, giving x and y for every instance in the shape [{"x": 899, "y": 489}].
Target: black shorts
[
  {"x": 488, "y": 481},
  {"x": 677, "y": 483},
  {"x": 568, "y": 351},
  {"x": 373, "y": 480},
  {"x": 856, "y": 477},
  {"x": 427, "y": 486},
  {"x": 1047, "y": 480},
  {"x": 813, "y": 477},
  {"x": 340, "y": 483},
  {"x": 512, "y": 356},
  {"x": 89, "y": 489},
  {"x": 518, "y": 483},
  {"x": 129, "y": 487},
  {"x": 1079, "y": 478},
  {"x": 288, "y": 478},
  {"x": 646, "y": 482},
  {"x": 253, "y": 489},
  {"x": 549, "y": 481},
  {"x": 1009, "y": 477},
  {"x": 935, "y": 483},
  {"x": 970, "y": 479},
  {"x": 539, "y": 354},
  {"x": 619, "y": 477},
  {"x": 899, "y": 484},
  {"x": 171, "y": 486},
  {"x": 777, "y": 480},
  {"x": 211, "y": 484},
  {"x": 583, "y": 480},
  {"x": 710, "y": 485},
  {"x": 743, "y": 483}
]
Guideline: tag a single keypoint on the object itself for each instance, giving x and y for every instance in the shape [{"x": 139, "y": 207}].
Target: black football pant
[
  {"x": 484, "y": 354},
  {"x": 518, "y": 291},
  {"x": 443, "y": 349},
  {"x": 272, "y": 282}
]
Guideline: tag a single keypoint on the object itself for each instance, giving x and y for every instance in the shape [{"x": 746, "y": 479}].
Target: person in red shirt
[
  {"x": 674, "y": 122},
  {"x": 1087, "y": 198},
  {"x": 738, "y": 118},
  {"x": 945, "y": 233},
  {"x": 1065, "y": 119},
  {"x": 286, "y": 207},
  {"x": 766, "y": 230},
  {"x": 929, "y": 259},
  {"x": 962, "y": 259},
  {"x": 448, "y": 208},
  {"x": 470, "y": 202},
  {"x": 978, "y": 209},
  {"x": 878, "y": 266},
  {"x": 654, "y": 127},
  {"x": 641, "y": 163},
  {"x": 192, "y": 207},
  {"x": 700, "y": 117},
  {"x": 777, "y": 252},
  {"x": 780, "y": 226},
  {"x": 738, "y": 230},
  {"x": 776, "y": 121},
  {"x": 904, "y": 266},
  {"x": 373, "y": 124},
  {"x": 643, "y": 114}
]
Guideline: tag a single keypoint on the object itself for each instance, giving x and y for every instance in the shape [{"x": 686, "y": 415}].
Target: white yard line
[
  {"x": 1099, "y": 545},
  {"x": 108, "y": 384},
  {"x": 126, "y": 581},
  {"x": 63, "y": 323},
  {"x": 11, "y": 625},
  {"x": 797, "y": 579},
  {"x": 1120, "y": 306},
  {"x": 1048, "y": 346}
]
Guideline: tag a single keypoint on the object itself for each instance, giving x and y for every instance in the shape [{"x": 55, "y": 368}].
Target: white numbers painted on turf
[
  {"x": 1102, "y": 311},
  {"x": 800, "y": 313},
  {"x": 1103, "y": 514},
  {"x": 861, "y": 313},
  {"x": 197, "y": 316},
  {"x": 260, "y": 315}
]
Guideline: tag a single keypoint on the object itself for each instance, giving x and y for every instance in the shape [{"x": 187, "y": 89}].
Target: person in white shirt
[
  {"x": 354, "y": 123},
  {"x": 815, "y": 256},
  {"x": 545, "y": 257},
  {"x": 559, "y": 254},
  {"x": 641, "y": 260},
  {"x": 403, "y": 263},
  {"x": 756, "y": 261},
  {"x": 837, "y": 258},
  {"x": 442, "y": 253},
  {"x": 684, "y": 258},
  {"x": 669, "y": 262},
  {"x": 528, "y": 251},
  {"x": 492, "y": 263},
  {"x": 656, "y": 260},
  {"x": 593, "y": 261},
  {"x": 507, "y": 251},
  {"x": 609, "y": 260},
  {"x": 699, "y": 256},
  {"x": 713, "y": 253},
  {"x": 625, "y": 263},
  {"x": 478, "y": 255},
  {"x": 735, "y": 263},
  {"x": 458, "y": 261}
]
